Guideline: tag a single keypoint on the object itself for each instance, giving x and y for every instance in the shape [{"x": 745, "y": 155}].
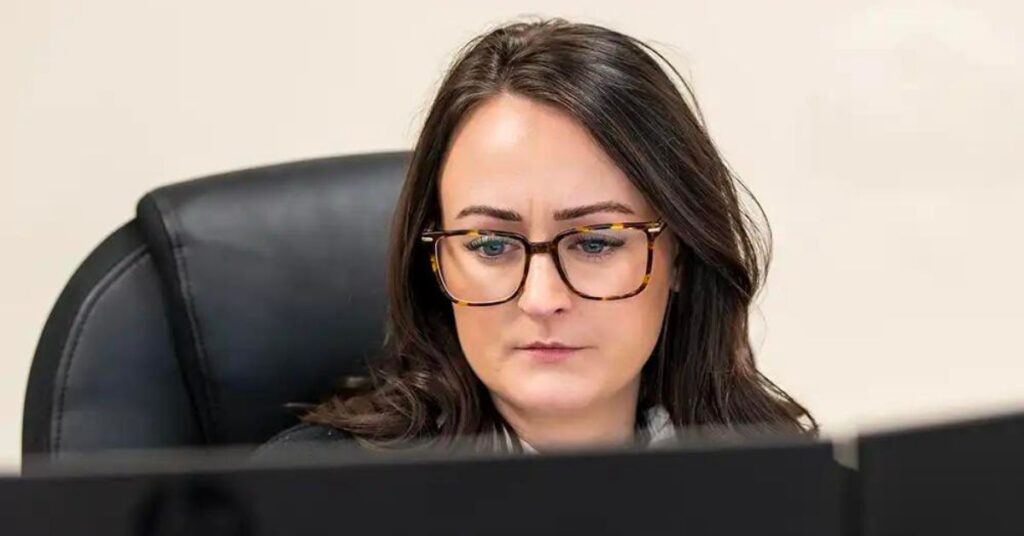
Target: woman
[{"x": 570, "y": 262}]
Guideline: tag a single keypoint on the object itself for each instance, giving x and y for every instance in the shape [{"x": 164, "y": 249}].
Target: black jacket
[{"x": 302, "y": 434}]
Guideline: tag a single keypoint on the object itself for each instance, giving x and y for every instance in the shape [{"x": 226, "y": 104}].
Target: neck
[{"x": 610, "y": 421}]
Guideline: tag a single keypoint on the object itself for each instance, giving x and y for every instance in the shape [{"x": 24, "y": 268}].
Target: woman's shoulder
[
  {"x": 305, "y": 431},
  {"x": 302, "y": 434}
]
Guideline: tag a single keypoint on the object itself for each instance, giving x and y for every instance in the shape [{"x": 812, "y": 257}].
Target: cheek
[
  {"x": 629, "y": 329},
  {"x": 480, "y": 336}
]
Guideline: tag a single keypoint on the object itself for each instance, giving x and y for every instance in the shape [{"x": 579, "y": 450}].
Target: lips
[
  {"x": 549, "y": 352},
  {"x": 548, "y": 346}
]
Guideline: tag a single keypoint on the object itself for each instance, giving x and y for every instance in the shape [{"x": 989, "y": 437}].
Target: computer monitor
[
  {"x": 767, "y": 487},
  {"x": 957, "y": 478}
]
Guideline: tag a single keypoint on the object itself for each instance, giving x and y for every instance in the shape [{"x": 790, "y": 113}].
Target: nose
[{"x": 544, "y": 293}]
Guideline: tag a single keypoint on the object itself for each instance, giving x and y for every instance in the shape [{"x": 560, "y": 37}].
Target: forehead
[{"x": 531, "y": 157}]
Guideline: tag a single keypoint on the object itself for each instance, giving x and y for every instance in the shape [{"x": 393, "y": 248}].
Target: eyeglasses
[{"x": 609, "y": 261}]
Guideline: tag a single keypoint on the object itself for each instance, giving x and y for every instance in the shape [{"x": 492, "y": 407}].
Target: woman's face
[{"x": 533, "y": 160}]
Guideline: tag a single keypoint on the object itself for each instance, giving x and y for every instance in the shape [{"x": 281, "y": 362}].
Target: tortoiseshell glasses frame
[{"x": 651, "y": 228}]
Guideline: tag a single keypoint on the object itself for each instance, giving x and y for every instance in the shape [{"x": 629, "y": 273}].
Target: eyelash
[
  {"x": 605, "y": 241},
  {"x": 482, "y": 241}
]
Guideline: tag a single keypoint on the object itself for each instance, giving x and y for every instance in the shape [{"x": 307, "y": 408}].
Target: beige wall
[{"x": 883, "y": 142}]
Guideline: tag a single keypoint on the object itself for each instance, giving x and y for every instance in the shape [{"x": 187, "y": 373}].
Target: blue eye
[
  {"x": 595, "y": 245},
  {"x": 592, "y": 246},
  {"x": 489, "y": 246}
]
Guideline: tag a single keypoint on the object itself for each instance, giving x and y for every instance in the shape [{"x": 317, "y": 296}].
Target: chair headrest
[{"x": 276, "y": 281}]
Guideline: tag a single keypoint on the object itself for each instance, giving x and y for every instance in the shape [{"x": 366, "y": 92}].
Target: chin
[{"x": 550, "y": 395}]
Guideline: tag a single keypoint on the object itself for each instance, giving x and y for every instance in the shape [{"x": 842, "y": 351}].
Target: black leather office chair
[{"x": 224, "y": 299}]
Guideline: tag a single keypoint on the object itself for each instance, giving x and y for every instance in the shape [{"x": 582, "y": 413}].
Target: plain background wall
[{"x": 881, "y": 137}]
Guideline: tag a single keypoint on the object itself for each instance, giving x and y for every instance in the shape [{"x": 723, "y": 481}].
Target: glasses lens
[
  {"x": 480, "y": 268},
  {"x": 605, "y": 263}
]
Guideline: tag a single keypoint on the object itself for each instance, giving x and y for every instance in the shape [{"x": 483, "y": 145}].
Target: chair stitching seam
[{"x": 64, "y": 368}]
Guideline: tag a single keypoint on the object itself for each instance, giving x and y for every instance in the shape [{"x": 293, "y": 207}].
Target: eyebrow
[{"x": 562, "y": 214}]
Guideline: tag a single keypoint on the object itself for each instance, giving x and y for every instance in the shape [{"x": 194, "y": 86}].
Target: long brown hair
[{"x": 702, "y": 370}]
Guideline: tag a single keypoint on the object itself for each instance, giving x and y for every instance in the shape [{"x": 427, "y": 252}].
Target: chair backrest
[{"x": 225, "y": 298}]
